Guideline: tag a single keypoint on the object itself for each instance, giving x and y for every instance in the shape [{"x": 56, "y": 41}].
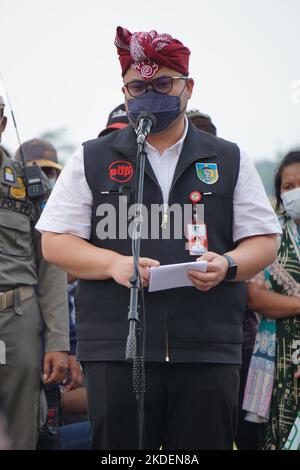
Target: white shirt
[
  {"x": 164, "y": 165},
  {"x": 69, "y": 207}
]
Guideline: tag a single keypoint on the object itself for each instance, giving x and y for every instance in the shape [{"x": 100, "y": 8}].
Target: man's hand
[
  {"x": 55, "y": 367},
  {"x": 74, "y": 373},
  {"x": 297, "y": 374},
  {"x": 122, "y": 269},
  {"x": 217, "y": 267}
]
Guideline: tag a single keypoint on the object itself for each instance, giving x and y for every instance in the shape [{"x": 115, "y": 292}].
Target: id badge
[{"x": 197, "y": 237}]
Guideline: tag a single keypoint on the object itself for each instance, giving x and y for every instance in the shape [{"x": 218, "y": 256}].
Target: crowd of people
[{"x": 222, "y": 355}]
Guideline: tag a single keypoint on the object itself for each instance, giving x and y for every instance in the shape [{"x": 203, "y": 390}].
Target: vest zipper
[
  {"x": 164, "y": 220},
  {"x": 167, "y": 358},
  {"x": 163, "y": 226}
]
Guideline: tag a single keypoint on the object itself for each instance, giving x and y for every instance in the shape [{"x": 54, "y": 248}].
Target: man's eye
[
  {"x": 163, "y": 84},
  {"x": 137, "y": 86}
]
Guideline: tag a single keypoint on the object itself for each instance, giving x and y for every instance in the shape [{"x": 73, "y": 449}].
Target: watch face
[{"x": 232, "y": 269}]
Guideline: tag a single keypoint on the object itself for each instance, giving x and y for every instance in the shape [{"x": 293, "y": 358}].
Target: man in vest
[{"x": 193, "y": 334}]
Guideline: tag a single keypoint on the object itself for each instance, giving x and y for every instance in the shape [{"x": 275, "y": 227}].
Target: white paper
[{"x": 170, "y": 276}]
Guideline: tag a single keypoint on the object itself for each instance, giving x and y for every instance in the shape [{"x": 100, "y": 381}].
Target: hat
[
  {"x": 202, "y": 121},
  {"x": 40, "y": 151},
  {"x": 117, "y": 119},
  {"x": 2, "y": 104},
  {"x": 147, "y": 51}
]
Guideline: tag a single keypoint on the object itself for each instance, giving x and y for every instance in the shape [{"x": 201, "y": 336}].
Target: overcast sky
[{"x": 61, "y": 68}]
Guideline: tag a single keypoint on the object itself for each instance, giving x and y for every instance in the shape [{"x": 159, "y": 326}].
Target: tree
[{"x": 60, "y": 139}]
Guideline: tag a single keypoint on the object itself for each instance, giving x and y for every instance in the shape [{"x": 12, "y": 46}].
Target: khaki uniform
[{"x": 33, "y": 307}]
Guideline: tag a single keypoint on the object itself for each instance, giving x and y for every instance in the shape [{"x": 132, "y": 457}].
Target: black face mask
[{"x": 165, "y": 108}]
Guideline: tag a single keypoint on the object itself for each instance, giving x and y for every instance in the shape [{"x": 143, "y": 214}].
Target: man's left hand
[
  {"x": 55, "y": 367},
  {"x": 217, "y": 267}
]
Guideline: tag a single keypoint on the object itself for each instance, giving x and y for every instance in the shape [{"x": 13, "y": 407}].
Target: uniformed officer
[
  {"x": 33, "y": 308},
  {"x": 193, "y": 334},
  {"x": 42, "y": 153}
]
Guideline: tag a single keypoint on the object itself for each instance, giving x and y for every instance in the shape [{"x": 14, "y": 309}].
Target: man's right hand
[{"x": 122, "y": 269}]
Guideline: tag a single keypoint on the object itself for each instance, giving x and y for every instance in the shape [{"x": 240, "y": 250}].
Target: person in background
[
  {"x": 202, "y": 121},
  {"x": 42, "y": 153},
  {"x": 31, "y": 291},
  {"x": 276, "y": 395},
  {"x": 247, "y": 436},
  {"x": 117, "y": 120}
]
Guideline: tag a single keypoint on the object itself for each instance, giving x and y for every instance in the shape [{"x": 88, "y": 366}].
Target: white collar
[{"x": 179, "y": 144}]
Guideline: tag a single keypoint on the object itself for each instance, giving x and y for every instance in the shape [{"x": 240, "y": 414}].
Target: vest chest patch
[
  {"x": 120, "y": 171},
  {"x": 207, "y": 172}
]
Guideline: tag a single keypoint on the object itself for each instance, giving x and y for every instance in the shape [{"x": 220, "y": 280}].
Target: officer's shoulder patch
[
  {"x": 9, "y": 175},
  {"x": 20, "y": 191}
]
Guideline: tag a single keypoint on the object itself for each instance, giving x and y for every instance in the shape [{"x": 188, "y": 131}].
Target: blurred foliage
[
  {"x": 60, "y": 139},
  {"x": 267, "y": 169}
]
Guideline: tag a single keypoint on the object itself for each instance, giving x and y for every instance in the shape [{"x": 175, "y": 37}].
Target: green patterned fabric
[{"x": 285, "y": 278}]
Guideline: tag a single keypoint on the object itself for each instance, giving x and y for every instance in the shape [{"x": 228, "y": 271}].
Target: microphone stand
[{"x": 135, "y": 341}]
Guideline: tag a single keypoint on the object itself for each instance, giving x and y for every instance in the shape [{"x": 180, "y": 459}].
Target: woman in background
[{"x": 282, "y": 303}]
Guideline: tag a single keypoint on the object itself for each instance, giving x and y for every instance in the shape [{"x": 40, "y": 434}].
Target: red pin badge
[{"x": 195, "y": 197}]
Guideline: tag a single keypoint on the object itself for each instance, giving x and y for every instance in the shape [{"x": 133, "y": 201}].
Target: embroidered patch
[
  {"x": 9, "y": 174},
  {"x": 207, "y": 172},
  {"x": 120, "y": 171},
  {"x": 18, "y": 193},
  {"x": 146, "y": 69},
  {"x": 14, "y": 205}
]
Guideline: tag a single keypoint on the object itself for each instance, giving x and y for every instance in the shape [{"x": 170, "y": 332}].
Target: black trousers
[{"x": 187, "y": 405}]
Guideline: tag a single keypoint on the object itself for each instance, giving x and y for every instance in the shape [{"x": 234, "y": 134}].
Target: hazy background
[{"x": 63, "y": 76}]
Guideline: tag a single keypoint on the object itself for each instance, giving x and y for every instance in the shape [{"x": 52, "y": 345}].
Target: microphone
[{"x": 146, "y": 121}]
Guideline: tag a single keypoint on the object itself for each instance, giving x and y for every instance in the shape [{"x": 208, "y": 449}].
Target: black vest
[{"x": 184, "y": 324}]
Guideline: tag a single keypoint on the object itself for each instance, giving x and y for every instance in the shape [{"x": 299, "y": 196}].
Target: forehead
[
  {"x": 131, "y": 74},
  {"x": 291, "y": 172}
]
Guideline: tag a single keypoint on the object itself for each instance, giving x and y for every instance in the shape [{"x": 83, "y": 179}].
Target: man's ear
[{"x": 189, "y": 86}]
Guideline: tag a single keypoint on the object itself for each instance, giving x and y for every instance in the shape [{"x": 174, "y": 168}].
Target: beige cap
[{"x": 40, "y": 151}]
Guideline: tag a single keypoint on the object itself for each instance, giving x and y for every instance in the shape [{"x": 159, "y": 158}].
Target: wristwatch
[{"x": 232, "y": 269}]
